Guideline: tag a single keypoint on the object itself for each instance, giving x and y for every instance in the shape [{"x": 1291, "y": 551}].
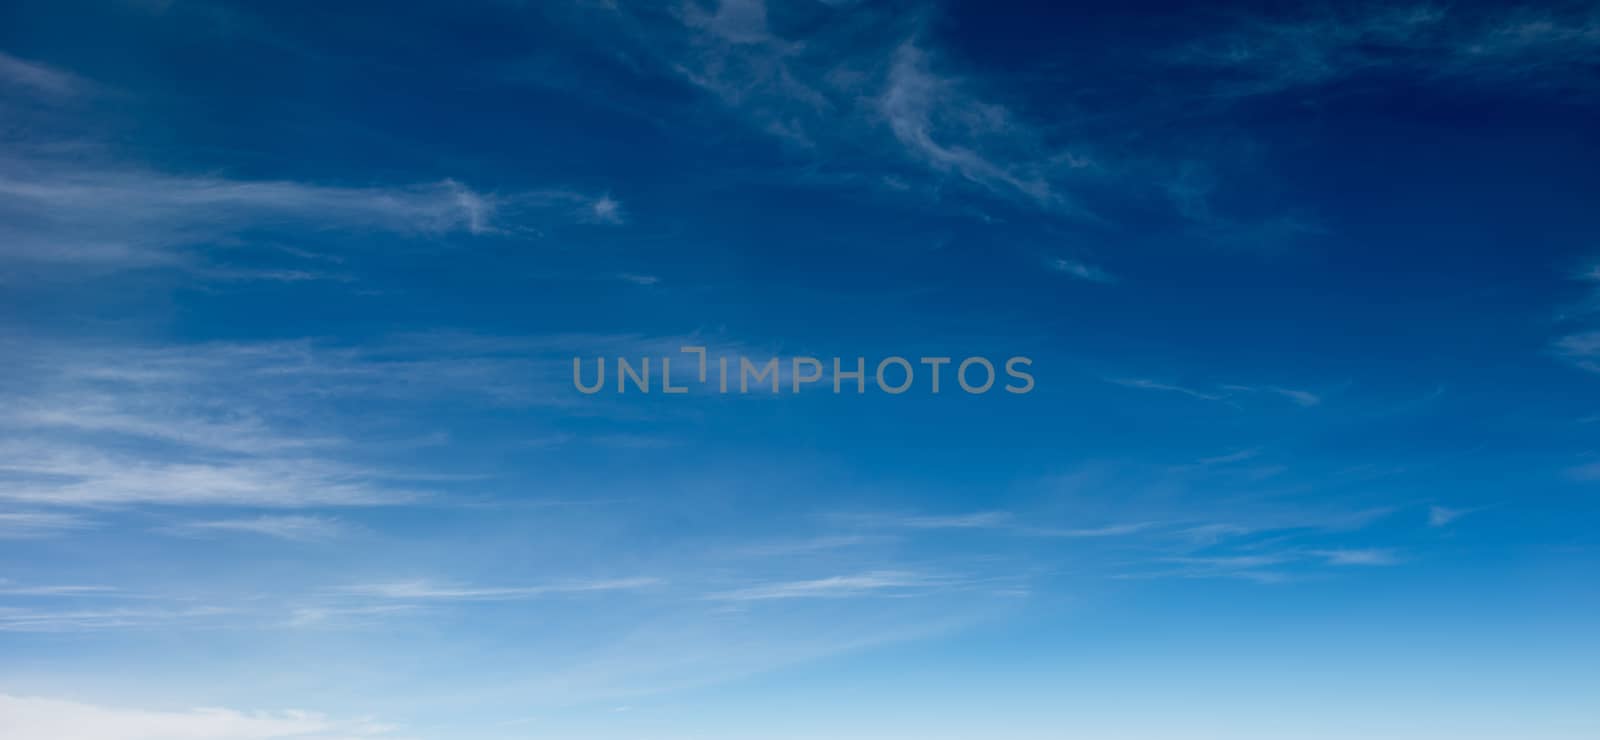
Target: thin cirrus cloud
[
  {"x": 1361, "y": 556},
  {"x": 286, "y": 527},
  {"x": 871, "y": 583},
  {"x": 1266, "y": 567},
  {"x": 1581, "y": 349},
  {"x": 1110, "y": 530},
  {"x": 1152, "y": 385},
  {"x": 998, "y": 522},
  {"x": 99, "y": 617},
  {"x": 1299, "y": 397},
  {"x": 867, "y": 76},
  {"x": 638, "y": 278},
  {"x": 422, "y": 590},
  {"x": 75, "y": 474},
  {"x": 976, "y": 520},
  {"x": 1231, "y": 457},
  {"x": 1225, "y": 392},
  {"x": 941, "y": 124},
  {"x": 1510, "y": 48},
  {"x": 1443, "y": 516},
  {"x": 245, "y": 424},
  {"x": 103, "y": 214},
  {"x": 34, "y": 524},
  {"x": 38, "y": 717},
  {"x": 37, "y": 78},
  {"x": 8, "y": 589},
  {"x": 131, "y": 218},
  {"x": 1080, "y": 270}
]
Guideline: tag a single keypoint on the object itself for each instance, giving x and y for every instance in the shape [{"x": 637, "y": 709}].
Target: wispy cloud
[
  {"x": 9, "y": 589},
  {"x": 38, "y": 78},
  {"x": 94, "y": 211},
  {"x": 1582, "y": 349},
  {"x": 288, "y": 527},
  {"x": 74, "y": 475},
  {"x": 1516, "y": 48},
  {"x": 1081, "y": 270},
  {"x": 1110, "y": 530},
  {"x": 29, "y": 524},
  {"x": 941, "y": 124},
  {"x": 1440, "y": 516},
  {"x": 1224, "y": 392},
  {"x": 1261, "y": 568},
  {"x": 604, "y": 209},
  {"x": 1232, "y": 457},
  {"x": 21, "y": 619},
  {"x": 872, "y": 583},
  {"x": 422, "y": 590},
  {"x": 1265, "y": 566},
  {"x": 35, "y": 717},
  {"x": 1366, "y": 556},
  {"x": 975, "y": 520},
  {"x": 345, "y": 615},
  {"x": 119, "y": 217},
  {"x": 1302, "y": 398},
  {"x": 248, "y": 424},
  {"x": 864, "y": 94},
  {"x": 993, "y": 522},
  {"x": 1151, "y": 385},
  {"x": 808, "y": 545}
]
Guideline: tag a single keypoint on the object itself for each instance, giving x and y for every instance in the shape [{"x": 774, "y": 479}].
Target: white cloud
[
  {"x": 34, "y": 718},
  {"x": 1439, "y": 516},
  {"x": 317, "y": 616},
  {"x": 29, "y": 524},
  {"x": 1585, "y": 472},
  {"x": 975, "y": 520},
  {"x": 1232, "y": 457},
  {"x": 880, "y": 582},
  {"x": 36, "y": 77},
  {"x": 249, "y": 424},
  {"x": 1517, "y": 48},
  {"x": 6, "y": 589},
  {"x": 288, "y": 527},
  {"x": 422, "y": 590},
  {"x": 1151, "y": 385},
  {"x": 1260, "y": 567},
  {"x": 1301, "y": 398},
  {"x": 606, "y": 210},
  {"x": 852, "y": 87},
  {"x": 1583, "y": 349},
  {"x": 123, "y": 217},
  {"x": 1358, "y": 556},
  {"x": 940, "y": 124},
  {"x": 1081, "y": 271},
  {"x": 99, "y": 617},
  {"x": 72, "y": 474},
  {"x": 638, "y": 279},
  {"x": 1110, "y": 530}
]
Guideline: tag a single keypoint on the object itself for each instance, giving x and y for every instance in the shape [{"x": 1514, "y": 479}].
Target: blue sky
[{"x": 290, "y": 295}]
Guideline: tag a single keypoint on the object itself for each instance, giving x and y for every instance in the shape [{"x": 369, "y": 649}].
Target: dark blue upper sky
[{"x": 290, "y": 294}]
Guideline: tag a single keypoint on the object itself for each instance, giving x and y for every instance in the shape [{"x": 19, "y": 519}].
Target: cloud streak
[
  {"x": 36, "y": 717},
  {"x": 38, "y": 78},
  {"x": 120, "y": 218},
  {"x": 1508, "y": 48},
  {"x": 286, "y": 527},
  {"x": 422, "y": 590},
  {"x": 871, "y": 583}
]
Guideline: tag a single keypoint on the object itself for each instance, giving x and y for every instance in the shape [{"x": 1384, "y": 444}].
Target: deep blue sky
[{"x": 290, "y": 293}]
